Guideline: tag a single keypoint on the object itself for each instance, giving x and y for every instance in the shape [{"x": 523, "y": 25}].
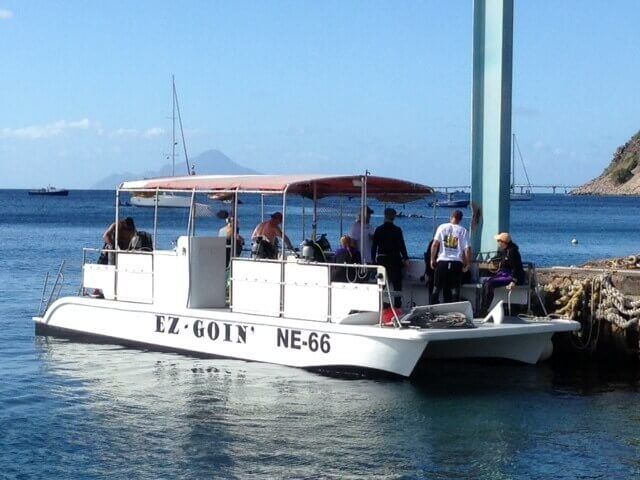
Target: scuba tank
[
  {"x": 311, "y": 251},
  {"x": 307, "y": 251}
]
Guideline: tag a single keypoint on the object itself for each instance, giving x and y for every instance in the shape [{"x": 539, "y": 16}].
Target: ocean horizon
[{"x": 79, "y": 410}]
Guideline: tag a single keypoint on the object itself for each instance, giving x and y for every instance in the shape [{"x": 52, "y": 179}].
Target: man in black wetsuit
[{"x": 389, "y": 250}]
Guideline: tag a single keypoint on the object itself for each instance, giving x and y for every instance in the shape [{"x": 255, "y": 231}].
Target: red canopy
[{"x": 382, "y": 188}]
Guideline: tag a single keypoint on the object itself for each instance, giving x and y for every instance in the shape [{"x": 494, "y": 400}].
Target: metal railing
[
  {"x": 55, "y": 290},
  {"x": 375, "y": 275},
  {"x": 339, "y": 274},
  {"x": 112, "y": 261}
]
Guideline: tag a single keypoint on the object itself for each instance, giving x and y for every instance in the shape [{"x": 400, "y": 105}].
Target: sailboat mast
[
  {"x": 173, "y": 126},
  {"x": 513, "y": 161},
  {"x": 184, "y": 145}
]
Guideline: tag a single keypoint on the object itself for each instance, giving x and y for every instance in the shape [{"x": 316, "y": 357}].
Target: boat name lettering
[
  {"x": 167, "y": 324},
  {"x": 288, "y": 338},
  {"x": 225, "y": 332}
]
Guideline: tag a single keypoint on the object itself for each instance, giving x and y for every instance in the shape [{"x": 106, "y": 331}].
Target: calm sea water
[{"x": 77, "y": 410}]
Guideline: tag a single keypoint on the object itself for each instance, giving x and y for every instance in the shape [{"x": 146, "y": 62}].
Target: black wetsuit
[
  {"x": 389, "y": 250},
  {"x": 429, "y": 272}
]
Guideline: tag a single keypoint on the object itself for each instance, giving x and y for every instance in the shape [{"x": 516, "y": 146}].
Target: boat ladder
[{"x": 53, "y": 290}]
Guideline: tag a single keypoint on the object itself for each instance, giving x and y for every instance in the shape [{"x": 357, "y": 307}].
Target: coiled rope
[
  {"x": 593, "y": 301},
  {"x": 428, "y": 319}
]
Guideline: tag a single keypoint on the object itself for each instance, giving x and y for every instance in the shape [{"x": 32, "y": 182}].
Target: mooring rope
[
  {"x": 596, "y": 300},
  {"x": 428, "y": 319}
]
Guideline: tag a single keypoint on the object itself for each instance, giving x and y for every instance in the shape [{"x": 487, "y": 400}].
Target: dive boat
[
  {"x": 287, "y": 309},
  {"x": 50, "y": 191}
]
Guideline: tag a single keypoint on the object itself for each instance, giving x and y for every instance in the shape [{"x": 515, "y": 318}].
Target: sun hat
[{"x": 503, "y": 237}]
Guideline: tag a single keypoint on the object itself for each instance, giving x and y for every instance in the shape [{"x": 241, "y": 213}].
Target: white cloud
[
  {"x": 154, "y": 132},
  {"x": 36, "y": 132},
  {"x": 126, "y": 132},
  {"x": 63, "y": 127},
  {"x": 6, "y": 14},
  {"x": 82, "y": 124}
]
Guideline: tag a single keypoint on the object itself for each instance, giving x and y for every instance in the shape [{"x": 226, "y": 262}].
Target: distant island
[
  {"x": 621, "y": 177},
  {"x": 210, "y": 162}
]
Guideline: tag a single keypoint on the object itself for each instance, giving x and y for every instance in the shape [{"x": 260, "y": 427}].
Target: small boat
[
  {"x": 165, "y": 200},
  {"x": 524, "y": 196},
  {"x": 453, "y": 203},
  {"x": 50, "y": 191},
  {"x": 450, "y": 202},
  {"x": 286, "y": 309}
]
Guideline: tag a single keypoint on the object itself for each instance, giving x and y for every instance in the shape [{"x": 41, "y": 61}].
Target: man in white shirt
[
  {"x": 450, "y": 257},
  {"x": 364, "y": 247}
]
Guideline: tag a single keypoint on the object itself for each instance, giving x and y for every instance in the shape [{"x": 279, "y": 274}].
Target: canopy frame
[{"x": 314, "y": 187}]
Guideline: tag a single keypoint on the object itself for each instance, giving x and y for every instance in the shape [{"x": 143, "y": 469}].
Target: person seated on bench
[
  {"x": 347, "y": 253},
  {"x": 509, "y": 271}
]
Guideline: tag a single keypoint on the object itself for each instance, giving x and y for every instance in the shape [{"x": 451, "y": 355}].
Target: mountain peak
[{"x": 209, "y": 162}]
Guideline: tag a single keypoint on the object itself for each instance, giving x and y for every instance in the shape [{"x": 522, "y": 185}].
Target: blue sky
[{"x": 305, "y": 86}]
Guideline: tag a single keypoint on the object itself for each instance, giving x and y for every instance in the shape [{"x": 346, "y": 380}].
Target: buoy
[{"x": 574, "y": 241}]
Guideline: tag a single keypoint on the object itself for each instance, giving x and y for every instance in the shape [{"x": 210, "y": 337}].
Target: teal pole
[{"x": 491, "y": 120}]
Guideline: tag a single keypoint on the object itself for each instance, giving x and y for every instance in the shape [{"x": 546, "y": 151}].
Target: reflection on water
[{"x": 110, "y": 409}]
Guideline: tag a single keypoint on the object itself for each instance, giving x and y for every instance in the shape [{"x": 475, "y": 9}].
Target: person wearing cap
[
  {"x": 270, "y": 230},
  {"x": 450, "y": 258},
  {"x": 509, "y": 271},
  {"x": 356, "y": 232},
  {"x": 389, "y": 250}
]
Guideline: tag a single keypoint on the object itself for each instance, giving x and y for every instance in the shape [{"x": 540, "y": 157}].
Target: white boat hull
[
  {"x": 248, "y": 337},
  {"x": 164, "y": 200},
  {"x": 296, "y": 343}
]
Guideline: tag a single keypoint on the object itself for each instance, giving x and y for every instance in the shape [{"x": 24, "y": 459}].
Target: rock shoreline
[{"x": 621, "y": 177}]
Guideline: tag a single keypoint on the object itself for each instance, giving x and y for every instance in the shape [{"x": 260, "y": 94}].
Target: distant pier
[{"x": 542, "y": 188}]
